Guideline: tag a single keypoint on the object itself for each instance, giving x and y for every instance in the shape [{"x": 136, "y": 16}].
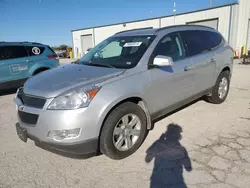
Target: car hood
[{"x": 53, "y": 82}]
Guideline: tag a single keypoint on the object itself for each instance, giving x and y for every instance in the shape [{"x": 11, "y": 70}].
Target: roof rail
[
  {"x": 13, "y": 42},
  {"x": 30, "y": 42},
  {"x": 183, "y": 25},
  {"x": 36, "y": 43},
  {"x": 134, "y": 30}
]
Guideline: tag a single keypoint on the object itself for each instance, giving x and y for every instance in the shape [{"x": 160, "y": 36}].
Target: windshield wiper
[{"x": 101, "y": 64}]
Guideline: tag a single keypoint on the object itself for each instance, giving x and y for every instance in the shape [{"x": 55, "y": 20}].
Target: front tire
[
  {"x": 221, "y": 88},
  {"x": 123, "y": 131}
]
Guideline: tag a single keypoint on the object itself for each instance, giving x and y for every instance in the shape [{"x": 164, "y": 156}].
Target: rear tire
[
  {"x": 116, "y": 128},
  {"x": 221, "y": 88}
]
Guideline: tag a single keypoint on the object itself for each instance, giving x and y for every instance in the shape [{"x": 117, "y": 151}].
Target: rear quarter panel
[
  {"x": 42, "y": 60},
  {"x": 43, "y": 63},
  {"x": 224, "y": 58}
]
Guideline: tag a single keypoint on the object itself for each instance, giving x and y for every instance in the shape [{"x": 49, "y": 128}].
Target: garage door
[
  {"x": 87, "y": 42},
  {"x": 210, "y": 23},
  {"x": 248, "y": 37}
]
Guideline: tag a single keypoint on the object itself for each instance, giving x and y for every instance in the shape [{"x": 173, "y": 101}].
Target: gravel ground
[{"x": 201, "y": 146}]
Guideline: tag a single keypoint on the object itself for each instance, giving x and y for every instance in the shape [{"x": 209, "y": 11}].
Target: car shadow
[
  {"x": 68, "y": 155},
  {"x": 175, "y": 111},
  {"x": 171, "y": 158},
  {"x": 8, "y": 91}
]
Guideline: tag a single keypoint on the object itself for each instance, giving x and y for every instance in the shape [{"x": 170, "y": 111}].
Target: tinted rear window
[
  {"x": 35, "y": 50},
  {"x": 215, "y": 38},
  {"x": 194, "y": 42},
  {"x": 200, "y": 41},
  {"x": 1, "y": 53},
  {"x": 12, "y": 52},
  {"x": 52, "y": 51}
]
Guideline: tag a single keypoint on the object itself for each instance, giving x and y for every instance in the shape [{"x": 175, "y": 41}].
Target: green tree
[{"x": 63, "y": 47}]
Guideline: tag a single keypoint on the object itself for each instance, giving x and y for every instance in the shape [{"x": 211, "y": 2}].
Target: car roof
[
  {"x": 153, "y": 31},
  {"x": 25, "y": 43}
]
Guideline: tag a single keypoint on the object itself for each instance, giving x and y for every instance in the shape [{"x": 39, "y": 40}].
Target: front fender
[{"x": 114, "y": 93}]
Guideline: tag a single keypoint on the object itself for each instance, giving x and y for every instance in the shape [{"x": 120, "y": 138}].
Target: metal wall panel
[
  {"x": 248, "y": 37},
  {"x": 222, "y": 14},
  {"x": 244, "y": 16},
  {"x": 237, "y": 29},
  {"x": 101, "y": 33},
  {"x": 210, "y": 23}
]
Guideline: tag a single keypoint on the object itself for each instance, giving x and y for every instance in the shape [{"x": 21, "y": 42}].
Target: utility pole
[
  {"x": 174, "y": 11},
  {"x": 211, "y": 3}
]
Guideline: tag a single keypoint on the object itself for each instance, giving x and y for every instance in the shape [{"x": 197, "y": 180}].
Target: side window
[
  {"x": 1, "y": 53},
  {"x": 12, "y": 52},
  {"x": 214, "y": 39},
  {"x": 171, "y": 46},
  {"x": 200, "y": 41},
  {"x": 35, "y": 50},
  {"x": 194, "y": 42},
  {"x": 206, "y": 38}
]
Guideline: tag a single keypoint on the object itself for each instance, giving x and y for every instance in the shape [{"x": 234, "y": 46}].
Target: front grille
[
  {"x": 30, "y": 101},
  {"x": 27, "y": 117}
]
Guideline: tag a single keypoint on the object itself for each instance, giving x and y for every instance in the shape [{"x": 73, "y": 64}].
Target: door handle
[
  {"x": 187, "y": 68},
  {"x": 212, "y": 60},
  {"x": 28, "y": 60}
]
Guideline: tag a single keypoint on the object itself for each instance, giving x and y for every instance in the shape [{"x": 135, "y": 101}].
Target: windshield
[{"x": 120, "y": 52}]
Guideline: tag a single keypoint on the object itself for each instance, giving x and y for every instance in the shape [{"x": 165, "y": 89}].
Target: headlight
[{"x": 79, "y": 98}]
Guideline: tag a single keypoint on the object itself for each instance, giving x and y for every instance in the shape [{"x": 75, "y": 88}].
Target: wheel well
[
  {"x": 136, "y": 100},
  {"x": 40, "y": 70},
  {"x": 131, "y": 99},
  {"x": 226, "y": 69}
]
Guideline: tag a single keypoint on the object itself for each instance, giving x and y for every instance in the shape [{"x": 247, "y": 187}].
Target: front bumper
[
  {"x": 38, "y": 122},
  {"x": 76, "y": 150}
]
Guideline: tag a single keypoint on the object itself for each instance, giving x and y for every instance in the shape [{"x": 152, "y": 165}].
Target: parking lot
[{"x": 211, "y": 151}]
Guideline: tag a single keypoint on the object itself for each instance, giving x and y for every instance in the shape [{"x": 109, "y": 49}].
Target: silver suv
[{"x": 109, "y": 99}]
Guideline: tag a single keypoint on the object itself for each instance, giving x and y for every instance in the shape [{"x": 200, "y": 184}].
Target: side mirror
[{"x": 161, "y": 60}]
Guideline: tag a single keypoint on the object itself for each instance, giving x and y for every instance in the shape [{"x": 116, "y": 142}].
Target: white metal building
[{"x": 232, "y": 20}]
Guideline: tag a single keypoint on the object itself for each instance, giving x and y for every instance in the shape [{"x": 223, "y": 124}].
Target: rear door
[
  {"x": 14, "y": 65},
  {"x": 199, "y": 47}
]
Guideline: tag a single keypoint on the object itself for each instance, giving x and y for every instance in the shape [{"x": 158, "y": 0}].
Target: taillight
[{"x": 53, "y": 57}]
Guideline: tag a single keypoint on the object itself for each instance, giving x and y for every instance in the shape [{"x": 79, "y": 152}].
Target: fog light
[{"x": 59, "y": 135}]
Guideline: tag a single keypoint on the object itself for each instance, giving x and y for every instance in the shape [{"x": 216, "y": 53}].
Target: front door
[{"x": 171, "y": 84}]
